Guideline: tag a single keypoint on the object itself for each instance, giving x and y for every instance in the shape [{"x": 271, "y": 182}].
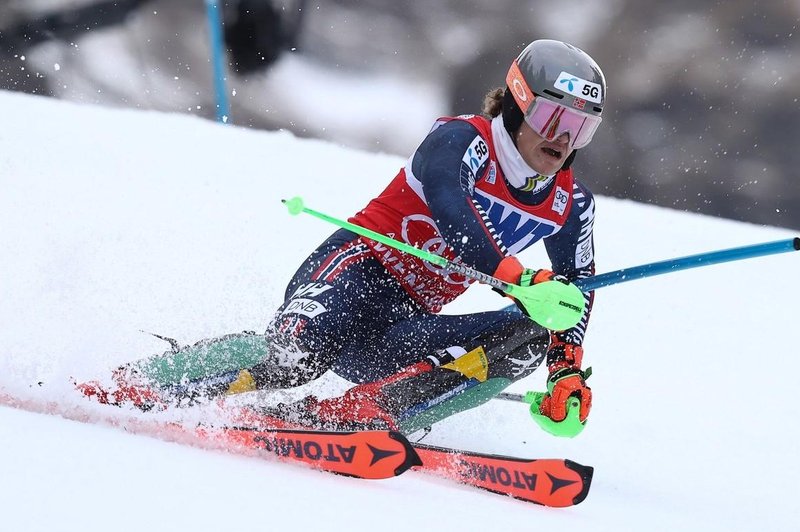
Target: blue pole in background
[
  {"x": 218, "y": 59},
  {"x": 684, "y": 263}
]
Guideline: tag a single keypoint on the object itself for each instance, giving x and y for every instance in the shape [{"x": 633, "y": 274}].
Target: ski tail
[
  {"x": 550, "y": 482},
  {"x": 373, "y": 454}
]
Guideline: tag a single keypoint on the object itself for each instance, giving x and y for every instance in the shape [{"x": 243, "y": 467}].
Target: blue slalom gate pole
[
  {"x": 685, "y": 263},
  {"x": 218, "y": 59}
]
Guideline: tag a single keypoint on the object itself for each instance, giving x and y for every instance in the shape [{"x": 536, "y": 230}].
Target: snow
[{"x": 116, "y": 221}]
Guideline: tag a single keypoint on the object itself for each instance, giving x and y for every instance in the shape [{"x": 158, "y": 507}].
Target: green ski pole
[{"x": 552, "y": 304}]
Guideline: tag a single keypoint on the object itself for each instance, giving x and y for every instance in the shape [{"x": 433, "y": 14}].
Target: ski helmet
[{"x": 555, "y": 87}]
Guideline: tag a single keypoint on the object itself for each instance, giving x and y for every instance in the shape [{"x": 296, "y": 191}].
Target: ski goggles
[{"x": 550, "y": 120}]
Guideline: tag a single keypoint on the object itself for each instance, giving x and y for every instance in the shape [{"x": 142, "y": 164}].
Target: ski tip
[
  {"x": 586, "y": 473},
  {"x": 797, "y": 243},
  {"x": 294, "y": 205}
]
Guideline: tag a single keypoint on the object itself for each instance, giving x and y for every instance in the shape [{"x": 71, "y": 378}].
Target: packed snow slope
[{"x": 113, "y": 222}]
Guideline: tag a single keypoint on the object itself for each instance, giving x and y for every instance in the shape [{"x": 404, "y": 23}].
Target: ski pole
[
  {"x": 684, "y": 263},
  {"x": 215, "y": 28},
  {"x": 569, "y": 427},
  {"x": 552, "y": 304}
]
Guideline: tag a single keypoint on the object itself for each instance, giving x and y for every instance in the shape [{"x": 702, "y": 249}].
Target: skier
[{"x": 479, "y": 190}]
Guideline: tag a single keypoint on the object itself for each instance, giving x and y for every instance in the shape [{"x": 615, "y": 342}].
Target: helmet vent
[
  {"x": 598, "y": 109},
  {"x": 553, "y": 94}
]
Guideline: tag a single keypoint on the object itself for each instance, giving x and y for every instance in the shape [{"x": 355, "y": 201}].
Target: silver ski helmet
[{"x": 557, "y": 88}]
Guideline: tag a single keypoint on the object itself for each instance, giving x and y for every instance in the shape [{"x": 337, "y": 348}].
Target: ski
[
  {"x": 372, "y": 454},
  {"x": 549, "y": 482},
  {"x": 366, "y": 454}
]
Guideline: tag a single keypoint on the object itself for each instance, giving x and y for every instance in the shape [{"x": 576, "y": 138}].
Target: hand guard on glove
[
  {"x": 563, "y": 358},
  {"x": 566, "y": 380},
  {"x": 512, "y": 271}
]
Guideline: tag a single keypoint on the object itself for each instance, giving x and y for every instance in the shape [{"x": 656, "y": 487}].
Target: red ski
[
  {"x": 549, "y": 482},
  {"x": 373, "y": 454},
  {"x": 369, "y": 454}
]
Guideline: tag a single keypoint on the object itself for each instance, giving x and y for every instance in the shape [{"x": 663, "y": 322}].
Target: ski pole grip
[{"x": 294, "y": 205}]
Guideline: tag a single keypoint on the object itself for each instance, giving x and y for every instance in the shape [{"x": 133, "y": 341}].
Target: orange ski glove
[
  {"x": 512, "y": 271},
  {"x": 566, "y": 380}
]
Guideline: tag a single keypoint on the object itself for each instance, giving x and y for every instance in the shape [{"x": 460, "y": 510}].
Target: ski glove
[
  {"x": 566, "y": 380},
  {"x": 512, "y": 271}
]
